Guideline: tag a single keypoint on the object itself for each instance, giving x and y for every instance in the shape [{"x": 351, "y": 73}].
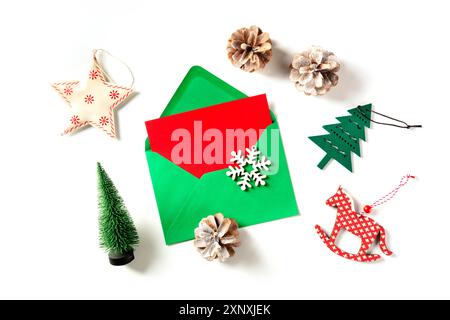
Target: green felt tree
[
  {"x": 118, "y": 234},
  {"x": 343, "y": 137}
]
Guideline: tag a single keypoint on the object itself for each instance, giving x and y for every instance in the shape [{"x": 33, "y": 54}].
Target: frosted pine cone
[
  {"x": 216, "y": 236},
  {"x": 315, "y": 71},
  {"x": 249, "y": 48}
]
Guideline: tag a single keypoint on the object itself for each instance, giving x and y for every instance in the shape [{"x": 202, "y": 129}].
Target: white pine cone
[
  {"x": 216, "y": 236},
  {"x": 315, "y": 71},
  {"x": 249, "y": 48}
]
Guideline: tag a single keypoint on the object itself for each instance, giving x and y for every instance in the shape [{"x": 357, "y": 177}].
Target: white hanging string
[{"x": 97, "y": 51}]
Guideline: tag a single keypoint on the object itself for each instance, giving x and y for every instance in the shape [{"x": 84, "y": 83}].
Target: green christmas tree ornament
[
  {"x": 118, "y": 235},
  {"x": 343, "y": 137}
]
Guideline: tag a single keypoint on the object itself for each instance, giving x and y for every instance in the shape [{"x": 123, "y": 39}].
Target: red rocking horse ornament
[{"x": 361, "y": 226}]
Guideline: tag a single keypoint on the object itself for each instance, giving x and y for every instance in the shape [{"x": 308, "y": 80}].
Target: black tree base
[{"x": 121, "y": 259}]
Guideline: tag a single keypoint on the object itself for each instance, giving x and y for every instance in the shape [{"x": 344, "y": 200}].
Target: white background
[{"x": 394, "y": 54}]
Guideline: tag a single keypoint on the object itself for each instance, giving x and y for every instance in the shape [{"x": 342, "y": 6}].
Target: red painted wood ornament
[{"x": 359, "y": 225}]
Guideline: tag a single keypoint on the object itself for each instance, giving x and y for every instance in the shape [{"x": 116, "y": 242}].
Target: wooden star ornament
[{"x": 94, "y": 102}]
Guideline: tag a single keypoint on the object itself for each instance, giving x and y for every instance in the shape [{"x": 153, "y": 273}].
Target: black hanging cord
[{"x": 404, "y": 126}]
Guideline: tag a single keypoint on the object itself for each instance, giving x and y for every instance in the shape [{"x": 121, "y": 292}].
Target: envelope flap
[{"x": 199, "y": 89}]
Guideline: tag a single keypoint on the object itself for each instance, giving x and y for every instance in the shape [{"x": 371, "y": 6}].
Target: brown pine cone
[
  {"x": 315, "y": 71},
  {"x": 249, "y": 48},
  {"x": 216, "y": 236}
]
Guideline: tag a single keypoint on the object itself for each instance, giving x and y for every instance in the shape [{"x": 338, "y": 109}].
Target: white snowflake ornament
[{"x": 241, "y": 173}]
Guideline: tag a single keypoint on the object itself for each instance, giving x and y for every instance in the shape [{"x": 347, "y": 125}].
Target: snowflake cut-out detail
[{"x": 240, "y": 172}]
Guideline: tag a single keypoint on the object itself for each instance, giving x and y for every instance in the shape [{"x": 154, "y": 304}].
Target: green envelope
[{"x": 183, "y": 199}]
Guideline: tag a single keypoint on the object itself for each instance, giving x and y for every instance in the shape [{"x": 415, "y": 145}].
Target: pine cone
[
  {"x": 315, "y": 71},
  {"x": 249, "y": 48},
  {"x": 216, "y": 236}
]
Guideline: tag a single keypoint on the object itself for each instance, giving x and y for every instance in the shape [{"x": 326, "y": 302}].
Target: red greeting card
[{"x": 201, "y": 140}]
